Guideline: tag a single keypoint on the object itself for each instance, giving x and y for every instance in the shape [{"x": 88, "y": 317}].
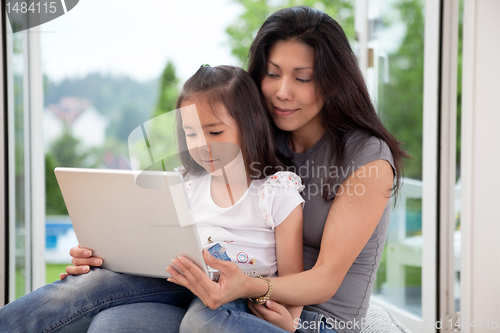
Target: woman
[{"x": 329, "y": 131}]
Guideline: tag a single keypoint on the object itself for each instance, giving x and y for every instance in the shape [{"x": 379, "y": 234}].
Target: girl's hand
[
  {"x": 212, "y": 294},
  {"x": 82, "y": 260},
  {"x": 274, "y": 313}
]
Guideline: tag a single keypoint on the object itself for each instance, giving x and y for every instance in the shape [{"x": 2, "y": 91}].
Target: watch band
[{"x": 265, "y": 298}]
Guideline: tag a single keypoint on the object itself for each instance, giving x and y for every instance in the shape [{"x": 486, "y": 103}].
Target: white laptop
[{"x": 136, "y": 221}]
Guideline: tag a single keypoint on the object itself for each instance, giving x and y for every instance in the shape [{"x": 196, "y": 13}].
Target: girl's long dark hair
[
  {"x": 233, "y": 88},
  {"x": 347, "y": 106}
]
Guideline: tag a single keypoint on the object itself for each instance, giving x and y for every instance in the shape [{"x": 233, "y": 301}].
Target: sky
[{"x": 136, "y": 38}]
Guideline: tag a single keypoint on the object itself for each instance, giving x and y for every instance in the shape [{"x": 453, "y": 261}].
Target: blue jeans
[
  {"x": 236, "y": 317},
  {"x": 100, "y": 301},
  {"x": 104, "y": 301},
  {"x": 312, "y": 322}
]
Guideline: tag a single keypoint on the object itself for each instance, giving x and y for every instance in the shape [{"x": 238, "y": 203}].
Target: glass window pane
[
  {"x": 19, "y": 236},
  {"x": 458, "y": 187},
  {"x": 396, "y": 84}
]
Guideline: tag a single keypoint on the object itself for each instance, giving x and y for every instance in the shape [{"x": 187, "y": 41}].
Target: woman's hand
[
  {"x": 230, "y": 286},
  {"x": 82, "y": 260},
  {"x": 276, "y": 314}
]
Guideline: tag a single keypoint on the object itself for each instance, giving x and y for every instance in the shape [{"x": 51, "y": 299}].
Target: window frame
[{"x": 34, "y": 164}]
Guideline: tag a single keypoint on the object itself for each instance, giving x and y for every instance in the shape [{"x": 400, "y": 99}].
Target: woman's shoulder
[{"x": 361, "y": 147}]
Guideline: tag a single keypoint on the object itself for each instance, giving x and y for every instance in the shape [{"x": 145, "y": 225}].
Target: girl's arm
[
  {"x": 351, "y": 221},
  {"x": 289, "y": 255}
]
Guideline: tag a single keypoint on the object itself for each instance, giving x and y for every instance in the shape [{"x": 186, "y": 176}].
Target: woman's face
[{"x": 290, "y": 89}]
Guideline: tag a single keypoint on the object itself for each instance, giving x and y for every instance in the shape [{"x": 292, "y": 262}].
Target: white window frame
[
  {"x": 447, "y": 162},
  {"x": 34, "y": 166},
  {"x": 3, "y": 211},
  {"x": 480, "y": 262}
]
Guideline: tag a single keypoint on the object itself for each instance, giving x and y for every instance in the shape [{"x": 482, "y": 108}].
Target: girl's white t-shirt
[{"x": 246, "y": 229}]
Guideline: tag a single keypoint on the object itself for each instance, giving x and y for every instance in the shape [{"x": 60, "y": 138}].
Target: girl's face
[
  {"x": 290, "y": 89},
  {"x": 213, "y": 142}
]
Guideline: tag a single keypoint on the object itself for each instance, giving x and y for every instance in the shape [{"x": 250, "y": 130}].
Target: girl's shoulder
[
  {"x": 187, "y": 176},
  {"x": 283, "y": 179},
  {"x": 278, "y": 195}
]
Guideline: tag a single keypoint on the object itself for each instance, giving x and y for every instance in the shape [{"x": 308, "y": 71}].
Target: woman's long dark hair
[
  {"x": 233, "y": 88},
  {"x": 347, "y": 106}
]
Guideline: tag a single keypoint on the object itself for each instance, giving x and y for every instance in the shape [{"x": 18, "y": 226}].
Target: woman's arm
[
  {"x": 351, "y": 221},
  {"x": 82, "y": 260},
  {"x": 352, "y": 218},
  {"x": 289, "y": 249}
]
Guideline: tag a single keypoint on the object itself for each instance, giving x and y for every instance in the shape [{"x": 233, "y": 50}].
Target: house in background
[{"x": 85, "y": 122}]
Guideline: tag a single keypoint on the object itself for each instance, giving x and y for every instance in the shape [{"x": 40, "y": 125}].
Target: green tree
[
  {"x": 68, "y": 151},
  {"x": 54, "y": 202},
  {"x": 130, "y": 118},
  {"x": 401, "y": 100},
  {"x": 459, "y": 86},
  {"x": 161, "y": 127},
  {"x": 168, "y": 90},
  {"x": 245, "y": 27}
]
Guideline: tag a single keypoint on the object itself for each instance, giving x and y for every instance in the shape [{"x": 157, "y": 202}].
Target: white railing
[{"x": 406, "y": 250}]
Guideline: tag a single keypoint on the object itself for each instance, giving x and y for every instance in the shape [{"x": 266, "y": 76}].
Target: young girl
[{"x": 249, "y": 217}]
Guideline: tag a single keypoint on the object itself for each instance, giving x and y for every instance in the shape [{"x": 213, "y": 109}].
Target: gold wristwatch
[{"x": 265, "y": 298}]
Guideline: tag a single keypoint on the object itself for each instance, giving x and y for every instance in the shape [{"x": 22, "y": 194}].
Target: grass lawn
[{"x": 52, "y": 272}]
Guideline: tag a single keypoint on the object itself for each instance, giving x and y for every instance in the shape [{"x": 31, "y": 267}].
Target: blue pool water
[{"x": 55, "y": 227}]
